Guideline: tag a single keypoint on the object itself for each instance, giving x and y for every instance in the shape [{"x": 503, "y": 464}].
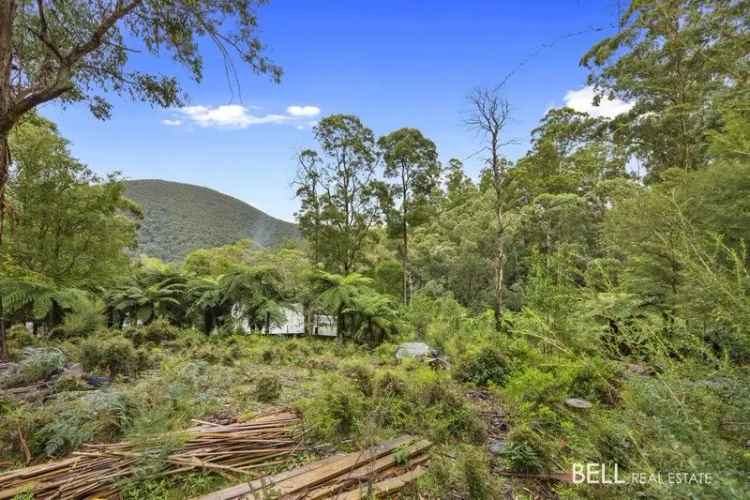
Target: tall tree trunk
[
  {"x": 4, "y": 172},
  {"x": 308, "y": 320},
  {"x": 499, "y": 265},
  {"x": 340, "y": 325},
  {"x": 499, "y": 260},
  {"x": 405, "y": 235},
  {"x": 208, "y": 321},
  {"x": 7, "y": 13},
  {"x": 3, "y": 347},
  {"x": 405, "y": 263}
]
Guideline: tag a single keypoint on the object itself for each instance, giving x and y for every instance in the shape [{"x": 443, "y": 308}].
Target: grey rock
[
  {"x": 637, "y": 369},
  {"x": 74, "y": 370},
  {"x": 415, "y": 350},
  {"x": 496, "y": 446},
  {"x": 97, "y": 381},
  {"x": 578, "y": 403}
]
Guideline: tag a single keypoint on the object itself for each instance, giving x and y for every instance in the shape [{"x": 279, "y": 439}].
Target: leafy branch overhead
[{"x": 82, "y": 50}]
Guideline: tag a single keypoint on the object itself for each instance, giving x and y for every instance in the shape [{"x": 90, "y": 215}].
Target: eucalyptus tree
[
  {"x": 309, "y": 184},
  {"x": 412, "y": 160},
  {"x": 346, "y": 190},
  {"x": 79, "y": 50},
  {"x": 69, "y": 224},
  {"x": 458, "y": 186},
  {"x": 672, "y": 60}
]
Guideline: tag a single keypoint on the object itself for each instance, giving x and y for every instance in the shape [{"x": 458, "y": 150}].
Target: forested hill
[{"x": 180, "y": 217}]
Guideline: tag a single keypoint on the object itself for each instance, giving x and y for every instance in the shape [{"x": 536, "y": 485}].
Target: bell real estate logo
[{"x": 595, "y": 473}]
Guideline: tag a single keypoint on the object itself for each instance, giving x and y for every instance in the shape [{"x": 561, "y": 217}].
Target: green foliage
[
  {"x": 465, "y": 473},
  {"x": 190, "y": 485},
  {"x": 84, "y": 320},
  {"x": 676, "y": 415},
  {"x": 181, "y": 218},
  {"x": 32, "y": 299},
  {"x": 109, "y": 353},
  {"x": 267, "y": 389},
  {"x": 155, "y": 291},
  {"x": 336, "y": 411},
  {"x": 522, "y": 456},
  {"x": 20, "y": 337},
  {"x": 158, "y": 332},
  {"x": 218, "y": 260},
  {"x": 36, "y": 364},
  {"x": 659, "y": 60},
  {"x": 80, "y": 52},
  {"x": 634, "y": 297},
  {"x": 488, "y": 366},
  {"x": 64, "y": 422},
  {"x": 360, "y": 311},
  {"x": 99, "y": 415},
  {"x": 366, "y": 403},
  {"x": 361, "y": 374},
  {"x": 71, "y": 225},
  {"x": 412, "y": 160},
  {"x": 339, "y": 192}
]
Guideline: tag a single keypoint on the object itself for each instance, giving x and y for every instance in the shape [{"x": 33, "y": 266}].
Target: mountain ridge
[{"x": 179, "y": 218}]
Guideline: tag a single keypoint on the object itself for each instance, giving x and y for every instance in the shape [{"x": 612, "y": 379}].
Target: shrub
[
  {"x": 489, "y": 366},
  {"x": 157, "y": 332},
  {"x": 525, "y": 450},
  {"x": 179, "y": 390},
  {"x": 389, "y": 383},
  {"x": 113, "y": 354},
  {"x": 268, "y": 388},
  {"x": 335, "y": 409},
  {"x": 72, "y": 422},
  {"x": 360, "y": 374},
  {"x": 20, "y": 337},
  {"x": 83, "y": 321},
  {"x": 36, "y": 364},
  {"x": 221, "y": 351},
  {"x": 436, "y": 405},
  {"x": 466, "y": 474}
]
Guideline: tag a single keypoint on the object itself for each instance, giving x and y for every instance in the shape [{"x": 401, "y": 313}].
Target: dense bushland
[{"x": 578, "y": 312}]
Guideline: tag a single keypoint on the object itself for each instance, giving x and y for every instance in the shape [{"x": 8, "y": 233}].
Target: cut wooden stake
[
  {"x": 340, "y": 476},
  {"x": 226, "y": 449}
]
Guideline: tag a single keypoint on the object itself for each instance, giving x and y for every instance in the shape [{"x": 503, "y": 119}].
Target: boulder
[
  {"x": 415, "y": 350},
  {"x": 97, "y": 381},
  {"x": 578, "y": 403},
  {"x": 496, "y": 446}
]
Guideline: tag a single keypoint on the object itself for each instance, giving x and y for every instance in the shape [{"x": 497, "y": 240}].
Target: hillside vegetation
[
  {"x": 558, "y": 327},
  {"x": 178, "y": 218}
]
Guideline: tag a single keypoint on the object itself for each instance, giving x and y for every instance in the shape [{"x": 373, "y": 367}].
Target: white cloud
[
  {"x": 239, "y": 116},
  {"x": 305, "y": 111},
  {"x": 583, "y": 100},
  {"x": 227, "y": 116}
]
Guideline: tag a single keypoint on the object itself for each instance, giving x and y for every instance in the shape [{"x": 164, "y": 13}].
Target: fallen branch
[{"x": 95, "y": 470}]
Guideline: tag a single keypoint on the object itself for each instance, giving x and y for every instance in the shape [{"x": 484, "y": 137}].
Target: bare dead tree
[{"x": 489, "y": 115}]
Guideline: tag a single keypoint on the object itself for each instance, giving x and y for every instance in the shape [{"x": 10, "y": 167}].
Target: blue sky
[{"x": 393, "y": 63}]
